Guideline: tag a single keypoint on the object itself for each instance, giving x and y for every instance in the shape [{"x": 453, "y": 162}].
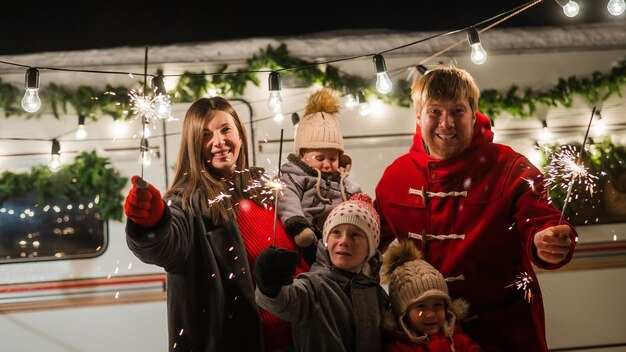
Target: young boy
[
  {"x": 422, "y": 317},
  {"x": 339, "y": 304},
  {"x": 315, "y": 174}
]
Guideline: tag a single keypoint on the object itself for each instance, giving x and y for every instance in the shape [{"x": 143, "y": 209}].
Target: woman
[{"x": 209, "y": 235}]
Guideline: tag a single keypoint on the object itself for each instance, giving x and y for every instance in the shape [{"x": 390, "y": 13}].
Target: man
[{"x": 478, "y": 210}]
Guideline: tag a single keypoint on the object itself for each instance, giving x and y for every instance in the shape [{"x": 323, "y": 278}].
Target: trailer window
[{"x": 60, "y": 229}]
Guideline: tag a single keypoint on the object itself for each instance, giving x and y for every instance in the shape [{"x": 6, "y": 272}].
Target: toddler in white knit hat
[
  {"x": 315, "y": 174},
  {"x": 422, "y": 316},
  {"x": 339, "y": 304}
]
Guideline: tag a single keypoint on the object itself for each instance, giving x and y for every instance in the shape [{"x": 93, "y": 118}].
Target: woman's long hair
[{"x": 192, "y": 173}]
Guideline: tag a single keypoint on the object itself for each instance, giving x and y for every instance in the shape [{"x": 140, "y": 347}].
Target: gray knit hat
[{"x": 319, "y": 128}]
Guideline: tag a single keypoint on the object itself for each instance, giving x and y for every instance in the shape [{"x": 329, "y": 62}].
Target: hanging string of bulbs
[{"x": 159, "y": 105}]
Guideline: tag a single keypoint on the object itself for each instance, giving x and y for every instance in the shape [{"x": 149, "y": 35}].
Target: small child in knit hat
[
  {"x": 422, "y": 316},
  {"x": 339, "y": 304},
  {"x": 315, "y": 174}
]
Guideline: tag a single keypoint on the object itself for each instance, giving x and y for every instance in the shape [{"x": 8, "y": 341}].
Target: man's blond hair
[{"x": 444, "y": 83}]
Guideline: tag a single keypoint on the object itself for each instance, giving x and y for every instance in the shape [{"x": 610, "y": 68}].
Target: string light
[
  {"x": 545, "y": 133},
  {"x": 570, "y": 7},
  {"x": 145, "y": 157},
  {"x": 119, "y": 128},
  {"x": 161, "y": 103},
  {"x": 348, "y": 99},
  {"x": 478, "y": 55},
  {"x": 295, "y": 119},
  {"x": 599, "y": 127},
  {"x": 364, "y": 106},
  {"x": 616, "y": 7},
  {"x": 55, "y": 156},
  {"x": 81, "y": 132},
  {"x": 383, "y": 83},
  {"x": 275, "y": 102},
  {"x": 30, "y": 101}
]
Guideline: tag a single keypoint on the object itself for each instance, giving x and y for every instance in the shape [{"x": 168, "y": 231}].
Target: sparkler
[
  {"x": 523, "y": 282},
  {"x": 277, "y": 190},
  {"x": 568, "y": 165}
]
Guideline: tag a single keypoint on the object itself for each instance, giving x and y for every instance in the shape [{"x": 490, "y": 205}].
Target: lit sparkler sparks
[
  {"x": 523, "y": 282},
  {"x": 142, "y": 105},
  {"x": 565, "y": 170},
  {"x": 219, "y": 198},
  {"x": 568, "y": 165}
]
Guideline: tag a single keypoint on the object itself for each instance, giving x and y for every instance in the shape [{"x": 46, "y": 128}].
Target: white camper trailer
[{"x": 107, "y": 299}]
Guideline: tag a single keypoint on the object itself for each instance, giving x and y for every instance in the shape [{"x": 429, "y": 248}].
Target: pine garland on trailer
[
  {"x": 89, "y": 175},
  {"x": 114, "y": 100}
]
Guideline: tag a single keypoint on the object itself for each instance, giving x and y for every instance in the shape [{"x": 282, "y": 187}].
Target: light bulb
[
  {"x": 55, "y": 163},
  {"x": 31, "y": 101},
  {"x": 279, "y": 117},
  {"x": 349, "y": 102},
  {"x": 383, "y": 83},
  {"x": 162, "y": 106},
  {"x": 478, "y": 55},
  {"x": 364, "y": 107},
  {"x": 275, "y": 102},
  {"x": 119, "y": 129},
  {"x": 81, "y": 132},
  {"x": 55, "y": 156},
  {"x": 145, "y": 158},
  {"x": 161, "y": 103},
  {"x": 571, "y": 9},
  {"x": 616, "y": 7},
  {"x": 545, "y": 133},
  {"x": 146, "y": 132}
]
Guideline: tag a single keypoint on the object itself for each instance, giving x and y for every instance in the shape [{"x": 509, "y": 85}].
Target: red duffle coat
[{"x": 474, "y": 216}]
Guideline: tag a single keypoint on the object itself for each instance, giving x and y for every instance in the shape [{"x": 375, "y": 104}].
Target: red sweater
[
  {"x": 483, "y": 197},
  {"x": 256, "y": 224}
]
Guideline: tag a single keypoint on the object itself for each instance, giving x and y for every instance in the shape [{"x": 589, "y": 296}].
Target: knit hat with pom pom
[
  {"x": 319, "y": 128},
  {"x": 413, "y": 280},
  {"x": 358, "y": 211}
]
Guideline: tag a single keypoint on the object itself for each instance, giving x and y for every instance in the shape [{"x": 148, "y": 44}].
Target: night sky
[{"x": 58, "y": 26}]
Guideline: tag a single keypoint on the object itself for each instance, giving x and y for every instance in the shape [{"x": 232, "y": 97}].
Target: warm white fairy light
[{"x": 616, "y": 7}]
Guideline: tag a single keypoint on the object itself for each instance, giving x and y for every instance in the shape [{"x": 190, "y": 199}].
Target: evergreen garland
[
  {"x": 115, "y": 102},
  {"x": 604, "y": 160},
  {"x": 89, "y": 175}
]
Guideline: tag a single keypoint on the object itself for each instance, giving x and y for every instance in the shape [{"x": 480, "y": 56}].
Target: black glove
[{"x": 273, "y": 268}]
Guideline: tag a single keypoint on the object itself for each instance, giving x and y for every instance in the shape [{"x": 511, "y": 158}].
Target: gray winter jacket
[
  {"x": 309, "y": 195},
  {"x": 331, "y": 309}
]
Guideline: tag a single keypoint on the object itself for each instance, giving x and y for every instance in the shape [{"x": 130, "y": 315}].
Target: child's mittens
[
  {"x": 273, "y": 268},
  {"x": 305, "y": 238},
  {"x": 143, "y": 205}
]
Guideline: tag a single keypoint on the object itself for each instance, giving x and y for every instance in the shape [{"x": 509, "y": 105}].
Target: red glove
[{"x": 144, "y": 205}]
